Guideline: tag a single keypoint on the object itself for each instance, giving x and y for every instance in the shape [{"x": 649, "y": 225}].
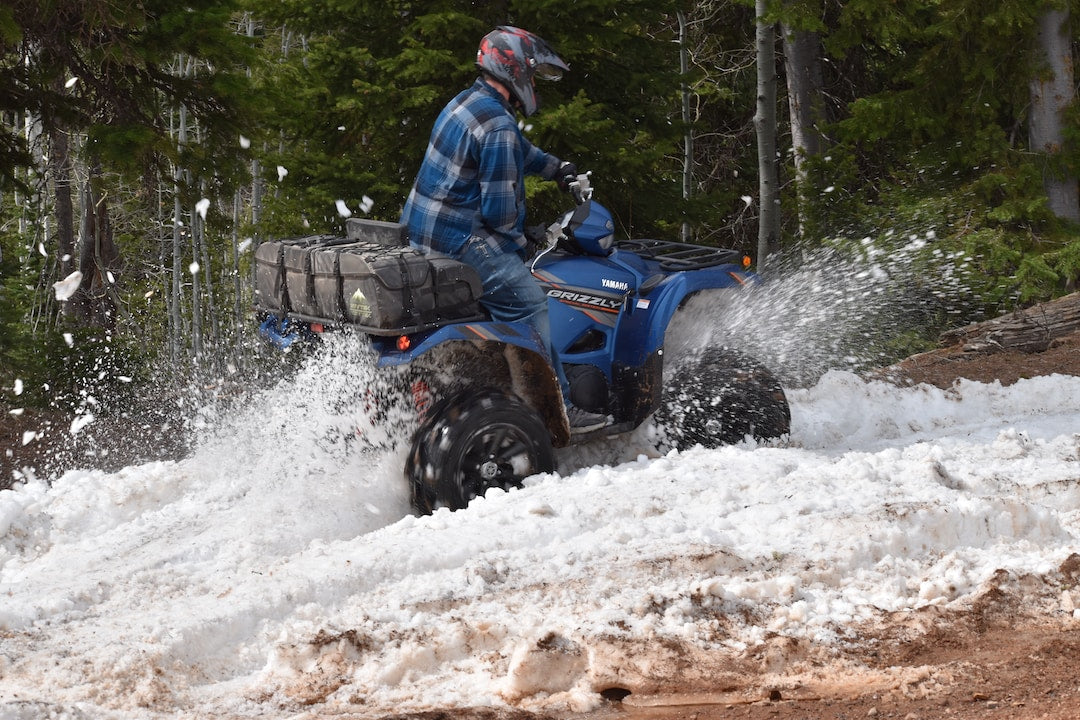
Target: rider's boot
[{"x": 583, "y": 421}]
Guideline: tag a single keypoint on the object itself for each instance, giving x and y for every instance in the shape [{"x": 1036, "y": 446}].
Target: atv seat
[{"x": 384, "y": 233}]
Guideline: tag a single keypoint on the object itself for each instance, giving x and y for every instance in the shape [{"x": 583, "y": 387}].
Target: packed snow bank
[{"x": 279, "y": 567}]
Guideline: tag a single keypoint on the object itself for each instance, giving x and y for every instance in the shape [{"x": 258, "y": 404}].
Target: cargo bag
[
  {"x": 390, "y": 289},
  {"x": 379, "y": 288},
  {"x": 282, "y": 274}
]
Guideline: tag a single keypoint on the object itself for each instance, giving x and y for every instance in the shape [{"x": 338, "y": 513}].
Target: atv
[{"x": 496, "y": 417}]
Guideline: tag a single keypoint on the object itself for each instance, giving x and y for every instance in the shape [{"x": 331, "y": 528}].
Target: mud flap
[{"x": 534, "y": 381}]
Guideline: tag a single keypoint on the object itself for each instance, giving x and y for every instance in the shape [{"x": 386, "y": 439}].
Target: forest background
[{"x": 147, "y": 148}]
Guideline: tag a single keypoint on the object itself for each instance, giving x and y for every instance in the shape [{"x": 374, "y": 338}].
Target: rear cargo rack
[{"x": 681, "y": 256}]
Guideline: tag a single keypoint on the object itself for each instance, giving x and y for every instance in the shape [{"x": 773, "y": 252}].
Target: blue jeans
[{"x": 512, "y": 294}]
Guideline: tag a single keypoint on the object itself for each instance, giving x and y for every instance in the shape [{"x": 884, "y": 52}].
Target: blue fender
[
  {"x": 397, "y": 351},
  {"x": 650, "y": 312}
]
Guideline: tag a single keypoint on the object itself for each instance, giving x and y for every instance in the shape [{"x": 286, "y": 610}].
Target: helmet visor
[{"x": 549, "y": 71}]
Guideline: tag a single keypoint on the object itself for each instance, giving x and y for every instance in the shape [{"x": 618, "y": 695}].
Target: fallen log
[{"x": 1029, "y": 330}]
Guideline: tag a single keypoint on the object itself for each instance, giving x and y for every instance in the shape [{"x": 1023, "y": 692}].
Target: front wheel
[
  {"x": 721, "y": 397},
  {"x": 473, "y": 441}
]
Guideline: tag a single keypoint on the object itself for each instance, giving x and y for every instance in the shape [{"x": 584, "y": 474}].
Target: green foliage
[
  {"x": 357, "y": 104},
  {"x": 14, "y": 356},
  {"x": 927, "y": 102}
]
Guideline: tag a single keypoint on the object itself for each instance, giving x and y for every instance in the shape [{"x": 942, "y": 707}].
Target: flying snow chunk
[
  {"x": 244, "y": 142},
  {"x": 71, "y": 82},
  {"x": 343, "y": 209},
  {"x": 80, "y": 422},
  {"x": 69, "y": 339},
  {"x": 282, "y": 171},
  {"x": 18, "y": 386},
  {"x": 28, "y": 437},
  {"x": 748, "y": 200},
  {"x": 829, "y": 189},
  {"x": 111, "y": 278},
  {"x": 66, "y": 288},
  {"x": 366, "y": 204},
  {"x": 193, "y": 268},
  {"x": 202, "y": 206}
]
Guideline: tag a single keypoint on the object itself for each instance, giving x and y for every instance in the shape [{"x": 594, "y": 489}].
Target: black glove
[
  {"x": 566, "y": 174},
  {"x": 535, "y": 239}
]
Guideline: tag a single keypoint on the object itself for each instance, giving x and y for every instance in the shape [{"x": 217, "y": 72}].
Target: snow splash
[
  {"x": 326, "y": 440},
  {"x": 825, "y": 310}
]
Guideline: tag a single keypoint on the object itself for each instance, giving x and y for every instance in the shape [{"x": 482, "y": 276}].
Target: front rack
[{"x": 681, "y": 256}]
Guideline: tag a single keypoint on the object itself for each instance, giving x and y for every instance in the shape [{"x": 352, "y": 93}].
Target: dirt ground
[{"x": 1014, "y": 654}]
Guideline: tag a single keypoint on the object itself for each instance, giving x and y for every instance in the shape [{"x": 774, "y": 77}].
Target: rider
[{"x": 468, "y": 200}]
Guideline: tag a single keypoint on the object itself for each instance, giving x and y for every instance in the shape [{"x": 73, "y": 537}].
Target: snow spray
[{"x": 828, "y": 309}]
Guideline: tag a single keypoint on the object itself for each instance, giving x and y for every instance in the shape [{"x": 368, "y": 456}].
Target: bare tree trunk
[
  {"x": 238, "y": 308},
  {"x": 98, "y": 257},
  {"x": 60, "y": 171},
  {"x": 805, "y": 83},
  {"x": 688, "y": 135},
  {"x": 177, "y": 249},
  {"x": 1052, "y": 90},
  {"x": 196, "y": 292},
  {"x": 208, "y": 278},
  {"x": 765, "y": 125}
]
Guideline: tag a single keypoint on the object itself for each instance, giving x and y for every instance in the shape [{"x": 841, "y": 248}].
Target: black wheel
[
  {"x": 719, "y": 397},
  {"x": 472, "y": 441}
]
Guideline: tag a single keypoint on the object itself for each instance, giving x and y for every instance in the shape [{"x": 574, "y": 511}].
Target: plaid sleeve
[
  {"x": 501, "y": 200},
  {"x": 538, "y": 162}
]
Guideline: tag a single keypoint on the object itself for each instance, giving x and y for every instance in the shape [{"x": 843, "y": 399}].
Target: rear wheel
[
  {"x": 720, "y": 397},
  {"x": 473, "y": 441}
]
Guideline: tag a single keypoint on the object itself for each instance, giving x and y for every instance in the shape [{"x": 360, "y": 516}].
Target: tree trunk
[
  {"x": 60, "y": 171},
  {"x": 688, "y": 135},
  {"x": 177, "y": 245},
  {"x": 1028, "y": 330},
  {"x": 765, "y": 125},
  {"x": 1052, "y": 90},
  {"x": 93, "y": 302},
  {"x": 238, "y": 307},
  {"x": 805, "y": 83},
  {"x": 196, "y": 291}
]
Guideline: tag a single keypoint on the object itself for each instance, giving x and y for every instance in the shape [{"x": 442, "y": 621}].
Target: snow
[
  {"x": 66, "y": 288},
  {"x": 278, "y": 569}
]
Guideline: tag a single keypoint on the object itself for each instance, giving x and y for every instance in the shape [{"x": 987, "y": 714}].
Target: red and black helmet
[{"x": 515, "y": 57}]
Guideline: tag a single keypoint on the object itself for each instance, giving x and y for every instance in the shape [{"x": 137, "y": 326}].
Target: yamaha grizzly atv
[{"x": 496, "y": 417}]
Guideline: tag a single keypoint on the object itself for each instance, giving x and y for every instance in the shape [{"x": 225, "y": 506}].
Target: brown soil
[{"x": 1013, "y": 654}]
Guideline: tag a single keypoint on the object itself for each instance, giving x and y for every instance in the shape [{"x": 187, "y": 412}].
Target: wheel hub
[{"x": 489, "y": 470}]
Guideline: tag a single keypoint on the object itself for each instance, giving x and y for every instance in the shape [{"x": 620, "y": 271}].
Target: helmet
[{"x": 514, "y": 57}]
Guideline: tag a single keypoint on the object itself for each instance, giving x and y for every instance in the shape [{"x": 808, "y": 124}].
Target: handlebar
[{"x": 581, "y": 188}]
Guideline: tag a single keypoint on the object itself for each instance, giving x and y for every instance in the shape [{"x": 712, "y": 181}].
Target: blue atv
[{"x": 487, "y": 400}]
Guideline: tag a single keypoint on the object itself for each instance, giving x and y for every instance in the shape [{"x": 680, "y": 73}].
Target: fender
[
  {"x": 652, "y": 307},
  {"x": 515, "y": 346},
  {"x": 398, "y": 350}
]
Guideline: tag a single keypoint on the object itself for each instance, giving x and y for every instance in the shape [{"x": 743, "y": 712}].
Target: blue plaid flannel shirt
[{"x": 471, "y": 182}]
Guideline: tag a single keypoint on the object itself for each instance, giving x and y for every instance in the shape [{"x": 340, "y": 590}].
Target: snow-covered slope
[{"x": 279, "y": 566}]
